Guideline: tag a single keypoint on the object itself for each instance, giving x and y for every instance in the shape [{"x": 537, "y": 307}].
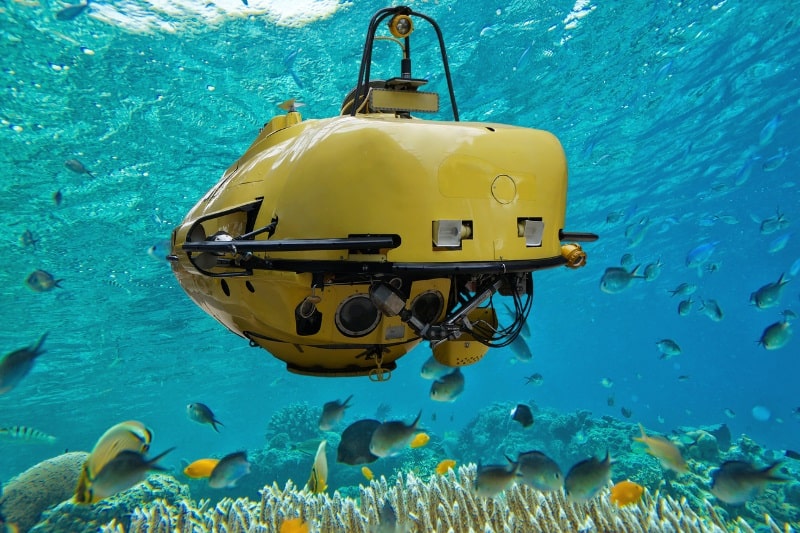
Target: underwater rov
[{"x": 339, "y": 244}]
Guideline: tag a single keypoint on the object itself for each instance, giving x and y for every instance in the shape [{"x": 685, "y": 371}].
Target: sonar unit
[{"x": 339, "y": 244}]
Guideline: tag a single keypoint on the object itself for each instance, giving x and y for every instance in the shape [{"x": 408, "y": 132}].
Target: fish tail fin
[
  {"x": 151, "y": 463},
  {"x": 83, "y": 493},
  {"x": 644, "y": 435},
  {"x": 38, "y": 348},
  {"x": 346, "y": 403},
  {"x": 770, "y": 472},
  {"x": 415, "y": 423},
  {"x": 214, "y": 424}
]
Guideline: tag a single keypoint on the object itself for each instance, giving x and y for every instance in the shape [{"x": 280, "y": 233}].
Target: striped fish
[{"x": 25, "y": 433}]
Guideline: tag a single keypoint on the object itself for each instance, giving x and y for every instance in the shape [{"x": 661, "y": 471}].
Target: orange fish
[
  {"x": 444, "y": 466},
  {"x": 294, "y": 525},
  {"x": 665, "y": 451},
  {"x": 201, "y": 468},
  {"x": 420, "y": 439},
  {"x": 367, "y": 473},
  {"x": 626, "y": 493}
]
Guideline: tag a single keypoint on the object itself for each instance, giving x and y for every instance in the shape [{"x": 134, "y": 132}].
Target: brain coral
[{"x": 48, "y": 483}]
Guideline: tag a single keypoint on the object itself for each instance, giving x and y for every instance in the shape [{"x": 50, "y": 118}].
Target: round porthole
[
  {"x": 357, "y": 315},
  {"x": 427, "y": 306}
]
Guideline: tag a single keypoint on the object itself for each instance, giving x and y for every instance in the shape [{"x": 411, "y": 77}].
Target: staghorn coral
[
  {"x": 43, "y": 485},
  {"x": 443, "y": 503}
]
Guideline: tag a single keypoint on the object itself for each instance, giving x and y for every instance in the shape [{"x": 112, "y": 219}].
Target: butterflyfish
[
  {"x": 124, "y": 471},
  {"x": 626, "y": 493},
  {"x": 318, "y": 481},
  {"x": 130, "y": 435}
]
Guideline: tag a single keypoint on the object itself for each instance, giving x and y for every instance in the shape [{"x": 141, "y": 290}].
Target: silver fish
[
  {"x": 200, "y": 412},
  {"x": 539, "y": 471},
  {"x": 390, "y": 438},
  {"x": 17, "y": 364},
  {"x": 586, "y": 478},
  {"x": 433, "y": 369},
  {"x": 653, "y": 270},
  {"x": 617, "y": 279},
  {"x": 684, "y": 289},
  {"x": 125, "y": 470},
  {"x": 685, "y": 306},
  {"x": 448, "y": 388},
  {"x": 736, "y": 482},
  {"x": 668, "y": 348},
  {"x": 712, "y": 310},
  {"x": 332, "y": 413},
  {"x": 229, "y": 470}
]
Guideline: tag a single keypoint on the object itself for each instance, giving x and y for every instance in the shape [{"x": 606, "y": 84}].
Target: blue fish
[
  {"x": 768, "y": 131},
  {"x": 779, "y": 243},
  {"x": 776, "y": 161},
  {"x": 700, "y": 254}
]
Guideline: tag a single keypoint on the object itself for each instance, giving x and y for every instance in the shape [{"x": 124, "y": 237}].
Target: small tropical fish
[
  {"x": 159, "y": 251},
  {"x": 712, "y": 267},
  {"x": 125, "y": 470},
  {"x": 736, "y": 482},
  {"x": 635, "y": 233},
  {"x": 684, "y": 289},
  {"x": 420, "y": 440},
  {"x": 354, "y": 445},
  {"x": 776, "y": 161},
  {"x": 390, "y": 438},
  {"x": 448, "y": 388},
  {"x": 433, "y": 369},
  {"x": 795, "y": 268},
  {"x": 367, "y": 473},
  {"x": 653, "y": 270},
  {"x": 617, "y": 279},
  {"x": 201, "y": 468},
  {"x": 494, "y": 479},
  {"x": 25, "y": 433},
  {"x": 626, "y": 493},
  {"x": 779, "y": 243},
  {"x": 522, "y": 414},
  {"x": 729, "y": 412},
  {"x": 627, "y": 260},
  {"x": 668, "y": 348},
  {"x": 712, "y": 310},
  {"x": 534, "y": 379},
  {"x": 16, "y": 365},
  {"x": 627, "y": 413},
  {"x": 685, "y": 306},
  {"x": 294, "y": 525},
  {"x": 586, "y": 478},
  {"x": 27, "y": 239},
  {"x": 69, "y": 13},
  {"x": 444, "y": 466},
  {"x": 58, "y": 197},
  {"x": 683, "y": 377},
  {"x": 539, "y": 471},
  {"x": 521, "y": 349},
  {"x": 229, "y": 471},
  {"x": 776, "y": 335},
  {"x": 664, "y": 450},
  {"x": 41, "y": 281},
  {"x": 307, "y": 447},
  {"x": 200, "y": 412},
  {"x": 332, "y": 413},
  {"x": 769, "y": 295},
  {"x": 130, "y": 435},
  {"x": 607, "y": 383},
  {"x": 768, "y": 131},
  {"x": 700, "y": 254},
  {"x": 318, "y": 480},
  {"x": 77, "y": 167}
]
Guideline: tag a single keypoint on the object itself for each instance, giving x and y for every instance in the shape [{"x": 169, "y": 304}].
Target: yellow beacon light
[{"x": 401, "y": 26}]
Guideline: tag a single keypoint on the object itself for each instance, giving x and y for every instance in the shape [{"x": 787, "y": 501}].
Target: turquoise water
[{"x": 680, "y": 120}]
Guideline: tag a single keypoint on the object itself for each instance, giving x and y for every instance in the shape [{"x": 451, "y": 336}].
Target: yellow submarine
[{"x": 339, "y": 244}]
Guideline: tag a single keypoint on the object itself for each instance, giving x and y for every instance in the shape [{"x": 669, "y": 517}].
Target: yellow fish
[
  {"x": 367, "y": 473},
  {"x": 294, "y": 525},
  {"x": 420, "y": 439},
  {"x": 444, "y": 466},
  {"x": 125, "y": 436},
  {"x": 201, "y": 468},
  {"x": 318, "y": 482},
  {"x": 665, "y": 451},
  {"x": 626, "y": 493}
]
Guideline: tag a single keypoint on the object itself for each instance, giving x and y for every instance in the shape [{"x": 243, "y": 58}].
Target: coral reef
[
  {"x": 69, "y": 517},
  {"x": 444, "y": 503},
  {"x": 43, "y": 485}
]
